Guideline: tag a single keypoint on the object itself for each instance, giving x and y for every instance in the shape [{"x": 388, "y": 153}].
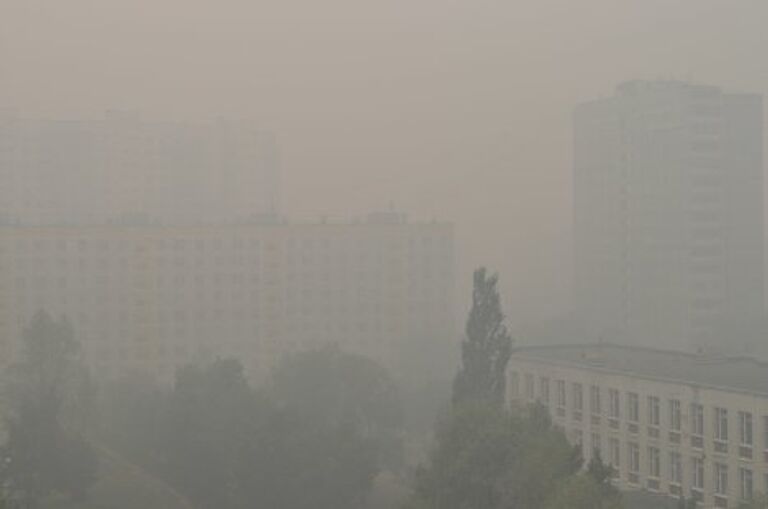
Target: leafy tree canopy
[
  {"x": 486, "y": 457},
  {"x": 46, "y": 451}
]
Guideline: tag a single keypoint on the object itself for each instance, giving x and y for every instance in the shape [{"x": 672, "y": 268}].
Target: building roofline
[{"x": 703, "y": 358}]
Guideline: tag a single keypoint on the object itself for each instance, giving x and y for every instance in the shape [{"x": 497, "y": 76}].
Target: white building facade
[{"x": 683, "y": 425}]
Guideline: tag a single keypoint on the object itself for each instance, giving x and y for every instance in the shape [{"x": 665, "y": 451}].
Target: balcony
[
  {"x": 697, "y": 442},
  {"x": 697, "y": 494},
  {"x": 653, "y": 432},
  {"x": 721, "y": 447},
  {"x": 614, "y": 424},
  {"x": 745, "y": 452},
  {"x": 633, "y": 428},
  {"x": 721, "y": 501},
  {"x": 674, "y": 437}
]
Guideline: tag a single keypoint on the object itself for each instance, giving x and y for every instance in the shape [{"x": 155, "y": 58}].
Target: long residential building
[
  {"x": 149, "y": 298},
  {"x": 668, "y": 422}
]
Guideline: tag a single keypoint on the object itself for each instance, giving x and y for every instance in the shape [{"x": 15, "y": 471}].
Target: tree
[
  {"x": 335, "y": 389},
  {"x": 589, "y": 490},
  {"x": 582, "y": 492},
  {"x": 545, "y": 459},
  {"x": 314, "y": 438},
  {"x": 486, "y": 457},
  {"x": 601, "y": 473},
  {"x": 336, "y": 423},
  {"x": 486, "y": 348},
  {"x": 207, "y": 423},
  {"x": 475, "y": 444},
  {"x": 291, "y": 464},
  {"x": 46, "y": 452},
  {"x": 132, "y": 413}
]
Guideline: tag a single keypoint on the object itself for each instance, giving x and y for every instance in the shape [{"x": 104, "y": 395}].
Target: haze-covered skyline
[{"x": 449, "y": 110}]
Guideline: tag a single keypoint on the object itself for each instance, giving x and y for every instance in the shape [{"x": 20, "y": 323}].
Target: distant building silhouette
[
  {"x": 668, "y": 213},
  {"x": 125, "y": 169}
]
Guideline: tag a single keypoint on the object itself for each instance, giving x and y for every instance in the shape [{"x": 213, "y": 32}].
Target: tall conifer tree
[{"x": 487, "y": 347}]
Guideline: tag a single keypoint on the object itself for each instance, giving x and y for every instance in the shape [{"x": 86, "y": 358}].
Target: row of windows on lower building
[
  {"x": 653, "y": 406},
  {"x": 674, "y": 470}
]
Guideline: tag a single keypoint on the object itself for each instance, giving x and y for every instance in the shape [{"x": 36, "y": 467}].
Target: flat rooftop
[{"x": 739, "y": 374}]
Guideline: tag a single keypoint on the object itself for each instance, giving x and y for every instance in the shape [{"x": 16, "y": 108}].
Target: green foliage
[
  {"x": 131, "y": 418},
  {"x": 336, "y": 423},
  {"x": 475, "y": 444},
  {"x": 337, "y": 390},
  {"x": 207, "y": 421},
  {"x": 488, "y": 458},
  {"x": 601, "y": 473},
  {"x": 487, "y": 347},
  {"x": 583, "y": 492},
  {"x": 46, "y": 452},
  {"x": 292, "y": 464},
  {"x": 314, "y": 438}
]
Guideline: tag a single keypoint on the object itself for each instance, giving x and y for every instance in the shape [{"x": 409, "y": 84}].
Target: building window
[
  {"x": 765, "y": 438},
  {"x": 674, "y": 414},
  {"x": 653, "y": 411},
  {"x": 697, "y": 469},
  {"x": 745, "y": 483},
  {"x": 697, "y": 419},
  {"x": 529, "y": 386},
  {"x": 745, "y": 428},
  {"x": 544, "y": 390},
  {"x": 613, "y": 403},
  {"x": 654, "y": 462},
  {"x": 721, "y": 478},
  {"x": 514, "y": 384},
  {"x": 615, "y": 451},
  {"x": 578, "y": 397},
  {"x": 675, "y": 467},
  {"x": 721, "y": 424},
  {"x": 633, "y": 453},
  {"x": 561, "y": 393},
  {"x": 596, "y": 443},
  {"x": 594, "y": 399},
  {"x": 633, "y": 407},
  {"x": 578, "y": 437}
]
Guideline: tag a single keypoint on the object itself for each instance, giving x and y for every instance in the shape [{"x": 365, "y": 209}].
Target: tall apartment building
[
  {"x": 121, "y": 167},
  {"x": 668, "y": 213},
  {"x": 668, "y": 422},
  {"x": 149, "y": 298}
]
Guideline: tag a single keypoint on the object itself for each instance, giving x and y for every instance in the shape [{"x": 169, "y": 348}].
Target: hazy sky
[{"x": 458, "y": 110}]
